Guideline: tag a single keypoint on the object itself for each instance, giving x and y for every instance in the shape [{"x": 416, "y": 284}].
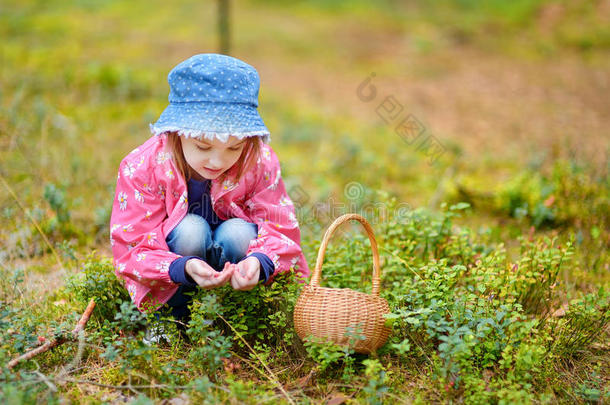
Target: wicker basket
[{"x": 326, "y": 313}]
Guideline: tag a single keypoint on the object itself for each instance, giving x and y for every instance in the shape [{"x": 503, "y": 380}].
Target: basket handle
[{"x": 315, "y": 279}]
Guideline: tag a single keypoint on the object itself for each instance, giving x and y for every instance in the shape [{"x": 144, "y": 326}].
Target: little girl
[{"x": 202, "y": 203}]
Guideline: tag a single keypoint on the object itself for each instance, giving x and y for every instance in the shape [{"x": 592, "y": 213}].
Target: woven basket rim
[{"x": 342, "y": 289}]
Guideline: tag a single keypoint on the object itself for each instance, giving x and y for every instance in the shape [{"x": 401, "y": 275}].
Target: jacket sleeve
[
  {"x": 141, "y": 255},
  {"x": 279, "y": 236}
]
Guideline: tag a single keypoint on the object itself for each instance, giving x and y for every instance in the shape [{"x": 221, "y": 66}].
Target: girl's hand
[
  {"x": 245, "y": 274},
  {"x": 205, "y": 276}
]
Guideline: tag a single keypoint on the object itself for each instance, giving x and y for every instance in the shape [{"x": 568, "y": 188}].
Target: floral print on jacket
[{"x": 151, "y": 199}]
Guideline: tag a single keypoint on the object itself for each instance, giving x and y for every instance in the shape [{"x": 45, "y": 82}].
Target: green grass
[{"x": 79, "y": 83}]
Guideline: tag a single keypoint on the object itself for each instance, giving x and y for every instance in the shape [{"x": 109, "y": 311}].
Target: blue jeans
[{"x": 194, "y": 237}]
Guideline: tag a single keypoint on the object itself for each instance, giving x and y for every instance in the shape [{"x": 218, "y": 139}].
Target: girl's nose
[{"x": 214, "y": 163}]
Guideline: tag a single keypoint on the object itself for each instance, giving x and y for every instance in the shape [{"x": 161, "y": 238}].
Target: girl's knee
[
  {"x": 190, "y": 237},
  {"x": 194, "y": 221},
  {"x": 234, "y": 221},
  {"x": 193, "y": 226},
  {"x": 236, "y": 228},
  {"x": 234, "y": 236}
]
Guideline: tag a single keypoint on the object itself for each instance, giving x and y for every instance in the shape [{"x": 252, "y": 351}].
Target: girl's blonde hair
[{"x": 247, "y": 159}]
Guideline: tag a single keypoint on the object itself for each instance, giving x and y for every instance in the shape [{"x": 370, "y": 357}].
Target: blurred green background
[{"x": 514, "y": 94}]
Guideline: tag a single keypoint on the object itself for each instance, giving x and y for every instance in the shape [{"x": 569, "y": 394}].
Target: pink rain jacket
[{"x": 151, "y": 199}]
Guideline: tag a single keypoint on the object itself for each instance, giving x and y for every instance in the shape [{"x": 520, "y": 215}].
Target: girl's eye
[{"x": 235, "y": 149}]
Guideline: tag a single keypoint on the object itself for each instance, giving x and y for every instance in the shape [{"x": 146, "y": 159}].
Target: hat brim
[{"x": 211, "y": 120}]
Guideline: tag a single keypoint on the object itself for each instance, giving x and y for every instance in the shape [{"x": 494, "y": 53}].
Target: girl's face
[{"x": 209, "y": 159}]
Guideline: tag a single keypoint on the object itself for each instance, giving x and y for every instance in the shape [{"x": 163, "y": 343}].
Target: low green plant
[
  {"x": 533, "y": 278},
  {"x": 474, "y": 317},
  {"x": 56, "y": 197},
  {"x": 473, "y": 308},
  {"x": 375, "y": 389},
  {"x": 59, "y": 226},
  {"x": 131, "y": 354},
  {"x": 329, "y": 356},
  {"x": 324, "y": 353},
  {"x": 129, "y": 318},
  {"x": 261, "y": 316},
  {"x": 210, "y": 345},
  {"x": 527, "y": 195},
  {"x": 582, "y": 325},
  {"x": 97, "y": 280}
]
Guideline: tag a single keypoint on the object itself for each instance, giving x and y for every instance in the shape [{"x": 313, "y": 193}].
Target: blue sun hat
[{"x": 212, "y": 96}]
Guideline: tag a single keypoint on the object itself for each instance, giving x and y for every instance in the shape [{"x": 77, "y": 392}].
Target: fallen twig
[
  {"x": 46, "y": 380},
  {"x": 80, "y": 326}
]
